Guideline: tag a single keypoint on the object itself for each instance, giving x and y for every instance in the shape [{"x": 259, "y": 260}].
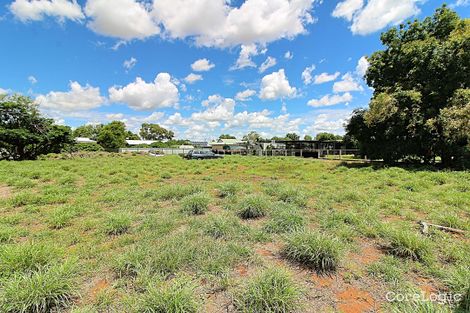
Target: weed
[
  {"x": 175, "y": 296},
  {"x": 406, "y": 244},
  {"x": 314, "y": 250},
  {"x": 117, "y": 224},
  {"x": 253, "y": 206},
  {"x": 273, "y": 290},
  {"x": 45, "y": 290},
  {"x": 285, "y": 219},
  {"x": 196, "y": 204}
]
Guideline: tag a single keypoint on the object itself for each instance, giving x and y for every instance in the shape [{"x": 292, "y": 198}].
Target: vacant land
[{"x": 140, "y": 234}]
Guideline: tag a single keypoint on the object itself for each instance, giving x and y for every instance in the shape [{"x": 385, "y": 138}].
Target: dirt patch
[
  {"x": 323, "y": 281},
  {"x": 369, "y": 255},
  {"x": 242, "y": 270},
  {"x": 5, "y": 192},
  {"x": 99, "y": 286},
  {"x": 353, "y": 300}
]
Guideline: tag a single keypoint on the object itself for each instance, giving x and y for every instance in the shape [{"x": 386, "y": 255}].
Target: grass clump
[
  {"x": 228, "y": 189},
  {"x": 285, "y": 220},
  {"x": 117, "y": 224},
  {"x": 46, "y": 290},
  {"x": 223, "y": 227},
  {"x": 286, "y": 193},
  {"x": 176, "y": 296},
  {"x": 314, "y": 250},
  {"x": 196, "y": 204},
  {"x": 253, "y": 206},
  {"x": 24, "y": 258},
  {"x": 272, "y": 291},
  {"x": 176, "y": 192},
  {"x": 409, "y": 245}
]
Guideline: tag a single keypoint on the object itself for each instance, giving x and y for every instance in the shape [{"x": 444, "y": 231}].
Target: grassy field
[{"x": 129, "y": 233}]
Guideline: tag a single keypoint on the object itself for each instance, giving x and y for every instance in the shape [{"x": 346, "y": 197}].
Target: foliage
[
  {"x": 112, "y": 136},
  {"x": 176, "y": 296},
  {"x": 25, "y": 134},
  {"x": 46, "y": 290},
  {"x": 328, "y": 137},
  {"x": 419, "y": 110},
  {"x": 87, "y": 131},
  {"x": 118, "y": 223},
  {"x": 273, "y": 290},
  {"x": 155, "y": 132},
  {"x": 285, "y": 219},
  {"x": 195, "y": 204},
  {"x": 229, "y": 189},
  {"x": 252, "y": 137},
  {"x": 308, "y": 138},
  {"x": 253, "y": 206},
  {"x": 315, "y": 250},
  {"x": 409, "y": 245},
  {"x": 292, "y": 136},
  {"x": 227, "y": 136},
  {"x": 88, "y": 147}
]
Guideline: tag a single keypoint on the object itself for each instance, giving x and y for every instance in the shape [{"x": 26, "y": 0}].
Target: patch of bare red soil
[
  {"x": 353, "y": 300},
  {"x": 99, "y": 286},
  {"x": 369, "y": 254},
  {"x": 322, "y": 281},
  {"x": 426, "y": 286},
  {"x": 242, "y": 270}
]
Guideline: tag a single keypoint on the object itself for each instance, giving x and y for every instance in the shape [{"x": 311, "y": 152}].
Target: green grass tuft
[
  {"x": 196, "y": 204},
  {"x": 46, "y": 290},
  {"x": 314, "y": 250},
  {"x": 228, "y": 189},
  {"x": 176, "y": 296},
  {"x": 409, "y": 245},
  {"x": 117, "y": 224},
  {"x": 253, "y": 206},
  {"x": 285, "y": 219},
  {"x": 272, "y": 291},
  {"x": 26, "y": 257}
]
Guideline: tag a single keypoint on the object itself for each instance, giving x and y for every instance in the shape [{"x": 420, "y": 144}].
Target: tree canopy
[
  {"x": 113, "y": 135},
  {"x": 155, "y": 132},
  {"x": 87, "y": 131},
  {"x": 421, "y": 103},
  {"x": 25, "y": 134},
  {"x": 227, "y": 136},
  {"x": 327, "y": 137}
]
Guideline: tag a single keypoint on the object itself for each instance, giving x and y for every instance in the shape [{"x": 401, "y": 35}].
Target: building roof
[
  {"x": 140, "y": 142},
  {"x": 84, "y": 140},
  {"x": 227, "y": 142}
]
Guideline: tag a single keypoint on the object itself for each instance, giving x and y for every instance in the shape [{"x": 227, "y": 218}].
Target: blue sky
[{"x": 199, "y": 67}]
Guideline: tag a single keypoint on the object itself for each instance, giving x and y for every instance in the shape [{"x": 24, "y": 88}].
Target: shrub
[
  {"x": 273, "y": 290},
  {"x": 176, "y": 192},
  {"x": 27, "y": 257},
  {"x": 284, "y": 219},
  {"x": 88, "y": 147},
  {"x": 176, "y": 296},
  {"x": 228, "y": 189},
  {"x": 409, "y": 245},
  {"x": 46, "y": 290},
  {"x": 253, "y": 206},
  {"x": 196, "y": 204},
  {"x": 314, "y": 250},
  {"x": 118, "y": 223}
]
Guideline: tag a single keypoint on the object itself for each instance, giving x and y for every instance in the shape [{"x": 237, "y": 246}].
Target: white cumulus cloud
[
  {"x": 78, "y": 98},
  {"x": 124, "y": 19},
  {"x": 325, "y": 78},
  {"x": 202, "y": 65},
  {"x": 192, "y": 78},
  {"x": 307, "y": 74},
  {"x": 245, "y": 95},
  {"x": 275, "y": 86},
  {"x": 330, "y": 100},
  {"x": 140, "y": 95},
  {"x": 288, "y": 55},
  {"x": 217, "y": 23},
  {"x": 270, "y": 62},
  {"x": 32, "y": 79},
  {"x": 348, "y": 83},
  {"x": 245, "y": 57},
  {"x": 376, "y": 14},
  {"x": 362, "y": 66},
  {"x": 36, "y": 10}
]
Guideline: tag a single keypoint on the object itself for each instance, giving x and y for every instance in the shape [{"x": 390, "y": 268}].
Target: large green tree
[
  {"x": 113, "y": 135},
  {"x": 227, "y": 136},
  {"x": 420, "y": 106},
  {"x": 155, "y": 132},
  {"x": 327, "y": 137},
  {"x": 87, "y": 131},
  {"x": 25, "y": 134}
]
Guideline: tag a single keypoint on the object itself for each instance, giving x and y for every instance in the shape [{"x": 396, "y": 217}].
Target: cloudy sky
[{"x": 199, "y": 67}]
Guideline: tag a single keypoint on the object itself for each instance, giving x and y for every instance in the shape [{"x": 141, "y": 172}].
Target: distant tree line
[{"x": 420, "y": 109}]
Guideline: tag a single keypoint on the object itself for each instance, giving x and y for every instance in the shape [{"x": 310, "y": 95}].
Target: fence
[{"x": 338, "y": 154}]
